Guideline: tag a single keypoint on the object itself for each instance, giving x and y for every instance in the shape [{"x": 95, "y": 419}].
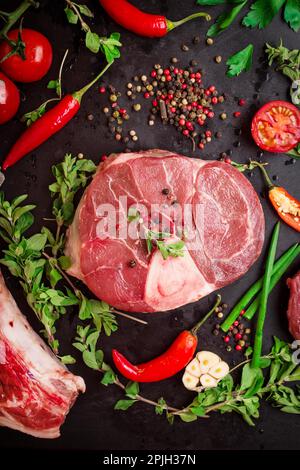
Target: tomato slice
[{"x": 276, "y": 126}]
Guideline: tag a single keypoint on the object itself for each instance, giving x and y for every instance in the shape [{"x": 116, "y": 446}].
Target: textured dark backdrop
[{"x": 92, "y": 423}]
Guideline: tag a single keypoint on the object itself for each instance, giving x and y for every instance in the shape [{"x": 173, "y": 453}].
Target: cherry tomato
[
  {"x": 9, "y": 99},
  {"x": 276, "y": 126},
  {"x": 38, "y": 56}
]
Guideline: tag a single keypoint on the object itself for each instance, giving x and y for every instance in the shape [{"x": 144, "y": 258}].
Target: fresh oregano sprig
[
  {"x": 242, "y": 397},
  {"x": 75, "y": 13}
]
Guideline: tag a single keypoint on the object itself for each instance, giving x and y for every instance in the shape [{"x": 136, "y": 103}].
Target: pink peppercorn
[
  {"x": 154, "y": 103},
  {"x": 194, "y": 104},
  {"x": 122, "y": 111},
  {"x": 237, "y": 114},
  {"x": 146, "y": 95},
  {"x": 208, "y": 133},
  {"x": 198, "y": 75},
  {"x": 176, "y": 70},
  {"x": 210, "y": 114},
  {"x": 242, "y": 102},
  {"x": 185, "y": 132},
  {"x": 153, "y": 73},
  {"x": 226, "y": 339},
  {"x": 189, "y": 107},
  {"x": 166, "y": 72},
  {"x": 214, "y": 100},
  {"x": 200, "y": 122},
  {"x": 168, "y": 78},
  {"x": 173, "y": 109},
  {"x": 181, "y": 122},
  {"x": 184, "y": 86},
  {"x": 238, "y": 336},
  {"x": 238, "y": 347},
  {"x": 235, "y": 323},
  {"x": 102, "y": 89},
  {"x": 207, "y": 92},
  {"x": 114, "y": 105},
  {"x": 201, "y": 145},
  {"x": 243, "y": 312},
  {"x": 212, "y": 88}
]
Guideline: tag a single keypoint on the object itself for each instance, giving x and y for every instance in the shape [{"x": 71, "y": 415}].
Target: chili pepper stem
[
  {"x": 265, "y": 175},
  {"x": 14, "y": 16},
  {"x": 174, "y": 24},
  {"x": 203, "y": 320},
  {"x": 79, "y": 93}
]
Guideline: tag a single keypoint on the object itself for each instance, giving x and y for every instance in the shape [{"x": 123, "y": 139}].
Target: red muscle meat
[
  {"x": 223, "y": 235},
  {"x": 36, "y": 390},
  {"x": 293, "y": 312}
]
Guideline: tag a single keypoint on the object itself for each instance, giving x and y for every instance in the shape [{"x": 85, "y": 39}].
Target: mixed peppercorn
[
  {"x": 178, "y": 97},
  {"x": 238, "y": 335}
]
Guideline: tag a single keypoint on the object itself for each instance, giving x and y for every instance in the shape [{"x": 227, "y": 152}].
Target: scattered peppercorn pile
[
  {"x": 238, "y": 335},
  {"x": 178, "y": 98}
]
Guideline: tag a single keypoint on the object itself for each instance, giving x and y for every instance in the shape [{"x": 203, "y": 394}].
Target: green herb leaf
[
  {"x": 110, "y": 46},
  {"x": 85, "y": 10},
  {"x": 262, "y": 13},
  {"x": 292, "y": 14},
  {"x": 161, "y": 406},
  {"x": 67, "y": 359},
  {"x": 92, "y": 42},
  {"x": 124, "y": 404},
  {"x": 37, "y": 242},
  {"x": 108, "y": 378},
  {"x": 188, "y": 417},
  {"x": 132, "y": 389},
  {"x": 225, "y": 20},
  {"x": 241, "y": 61},
  {"x": 71, "y": 16}
]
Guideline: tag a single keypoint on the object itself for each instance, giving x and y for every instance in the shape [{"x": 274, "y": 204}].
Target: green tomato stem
[
  {"x": 174, "y": 24},
  {"x": 15, "y": 15}
]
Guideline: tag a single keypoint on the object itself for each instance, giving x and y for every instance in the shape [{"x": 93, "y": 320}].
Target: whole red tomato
[
  {"x": 38, "y": 56},
  {"x": 9, "y": 99}
]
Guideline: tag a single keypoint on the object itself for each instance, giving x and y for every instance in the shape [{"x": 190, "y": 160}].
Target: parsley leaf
[
  {"x": 292, "y": 14},
  {"x": 262, "y": 13},
  {"x": 225, "y": 20},
  {"x": 241, "y": 61}
]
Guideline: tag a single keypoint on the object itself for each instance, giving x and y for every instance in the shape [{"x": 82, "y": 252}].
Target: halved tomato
[{"x": 276, "y": 126}]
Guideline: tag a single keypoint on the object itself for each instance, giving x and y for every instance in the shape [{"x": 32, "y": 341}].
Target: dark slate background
[{"x": 92, "y": 423}]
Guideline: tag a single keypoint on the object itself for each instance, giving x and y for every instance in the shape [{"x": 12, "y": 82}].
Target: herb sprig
[
  {"x": 241, "y": 61},
  {"x": 56, "y": 85},
  {"x": 108, "y": 45},
  {"x": 260, "y": 15},
  {"x": 288, "y": 62},
  {"x": 243, "y": 397},
  {"x": 156, "y": 239}
]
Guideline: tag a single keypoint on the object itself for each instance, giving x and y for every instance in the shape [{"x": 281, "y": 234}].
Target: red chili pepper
[
  {"x": 286, "y": 206},
  {"x": 48, "y": 124},
  {"x": 169, "y": 363},
  {"x": 141, "y": 23}
]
